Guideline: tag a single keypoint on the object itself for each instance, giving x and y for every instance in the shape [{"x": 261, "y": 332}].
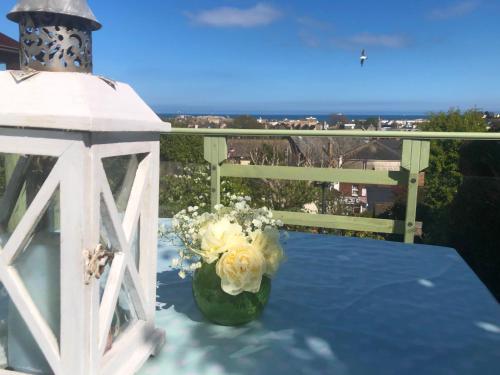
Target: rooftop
[{"x": 8, "y": 44}]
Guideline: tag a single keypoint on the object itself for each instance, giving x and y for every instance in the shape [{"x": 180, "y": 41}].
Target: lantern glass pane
[
  {"x": 104, "y": 275},
  {"x": 121, "y": 172},
  {"x": 18, "y": 349},
  {"x": 21, "y": 177},
  {"x": 38, "y": 264},
  {"x": 109, "y": 240},
  {"x": 125, "y": 313},
  {"x": 124, "y": 317},
  {"x": 103, "y": 280},
  {"x": 135, "y": 246}
]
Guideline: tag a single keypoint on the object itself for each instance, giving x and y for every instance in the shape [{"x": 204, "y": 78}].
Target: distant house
[
  {"x": 353, "y": 153},
  {"x": 9, "y": 52},
  {"x": 323, "y": 151},
  {"x": 377, "y": 154},
  {"x": 354, "y": 197}
]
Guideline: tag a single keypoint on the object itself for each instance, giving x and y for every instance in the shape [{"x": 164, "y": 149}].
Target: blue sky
[{"x": 234, "y": 56}]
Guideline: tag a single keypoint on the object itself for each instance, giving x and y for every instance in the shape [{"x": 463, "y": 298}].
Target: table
[{"x": 341, "y": 306}]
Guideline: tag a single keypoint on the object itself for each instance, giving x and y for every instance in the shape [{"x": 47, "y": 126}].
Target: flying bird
[{"x": 363, "y": 58}]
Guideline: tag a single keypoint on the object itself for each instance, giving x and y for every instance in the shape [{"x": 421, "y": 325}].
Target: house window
[{"x": 355, "y": 191}]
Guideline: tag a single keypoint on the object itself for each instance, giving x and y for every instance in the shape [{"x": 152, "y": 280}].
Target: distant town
[{"x": 337, "y": 121}]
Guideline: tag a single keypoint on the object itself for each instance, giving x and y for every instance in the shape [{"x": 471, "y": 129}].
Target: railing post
[
  {"x": 415, "y": 159},
  {"x": 215, "y": 152}
]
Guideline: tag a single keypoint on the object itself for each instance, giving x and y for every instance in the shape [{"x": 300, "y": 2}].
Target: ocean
[{"x": 320, "y": 118}]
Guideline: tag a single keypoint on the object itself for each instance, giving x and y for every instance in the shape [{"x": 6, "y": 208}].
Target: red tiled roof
[{"x": 7, "y": 42}]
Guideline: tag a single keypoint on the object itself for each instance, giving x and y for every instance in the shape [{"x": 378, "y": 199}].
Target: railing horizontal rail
[
  {"x": 315, "y": 174},
  {"x": 337, "y": 133},
  {"x": 341, "y": 222},
  {"x": 414, "y": 160}
]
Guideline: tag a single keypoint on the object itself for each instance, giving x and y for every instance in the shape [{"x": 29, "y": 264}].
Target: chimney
[{"x": 55, "y": 35}]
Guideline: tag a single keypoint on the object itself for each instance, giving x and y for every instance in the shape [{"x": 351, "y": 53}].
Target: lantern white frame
[{"x": 83, "y": 184}]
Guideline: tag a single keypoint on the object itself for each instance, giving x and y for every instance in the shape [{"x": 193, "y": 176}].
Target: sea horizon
[{"x": 320, "y": 117}]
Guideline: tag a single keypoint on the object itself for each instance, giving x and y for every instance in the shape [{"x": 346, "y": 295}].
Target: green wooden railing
[{"x": 414, "y": 159}]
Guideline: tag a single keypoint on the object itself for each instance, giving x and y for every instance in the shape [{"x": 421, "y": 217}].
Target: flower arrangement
[{"x": 243, "y": 242}]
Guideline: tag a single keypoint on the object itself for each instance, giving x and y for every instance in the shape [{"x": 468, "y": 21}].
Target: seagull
[{"x": 363, "y": 58}]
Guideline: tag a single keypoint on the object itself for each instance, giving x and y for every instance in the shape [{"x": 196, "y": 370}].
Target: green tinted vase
[{"x": 225, "y": 309}]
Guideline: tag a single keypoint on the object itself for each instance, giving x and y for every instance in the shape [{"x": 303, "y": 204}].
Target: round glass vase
[{"x": 222, "y": 308}]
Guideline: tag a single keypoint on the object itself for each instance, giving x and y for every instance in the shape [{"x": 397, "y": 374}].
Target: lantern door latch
[{"x": 96, "y": 261}]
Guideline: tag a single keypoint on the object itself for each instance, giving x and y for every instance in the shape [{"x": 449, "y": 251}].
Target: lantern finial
[{"x": 55, "y": 35}]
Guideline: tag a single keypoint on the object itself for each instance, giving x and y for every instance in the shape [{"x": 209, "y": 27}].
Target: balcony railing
[{"x": 414, "y": 160}]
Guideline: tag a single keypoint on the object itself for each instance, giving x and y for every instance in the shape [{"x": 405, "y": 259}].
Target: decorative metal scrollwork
[{"x": 55, "y": 42}]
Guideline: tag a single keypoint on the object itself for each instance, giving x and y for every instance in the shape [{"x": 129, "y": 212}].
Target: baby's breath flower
[
  {"x": 195, "y": 266},
  {"x": 257, "y": 223},
  {"x": 240, "y": 206},
  {"x": 175, "y": 262}
]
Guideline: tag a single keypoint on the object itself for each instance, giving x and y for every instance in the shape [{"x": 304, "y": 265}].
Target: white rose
[
  {"x": 241, "y": 269},
  {"x": 268, "y": 242},
  {"x": 217, "y": 238}
]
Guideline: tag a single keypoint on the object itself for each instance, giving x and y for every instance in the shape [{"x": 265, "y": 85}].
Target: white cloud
[
  {"x": 313, "y": 32},
  {"x": 373, "y": 40},
  {"x": 259, "y": 15},
  {"x": 309, "y": 39},
  {"x": 459, "y": 9},
  {"x": 313, "y": 23}
]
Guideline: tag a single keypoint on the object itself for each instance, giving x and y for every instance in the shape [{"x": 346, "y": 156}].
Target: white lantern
[{"x": 79, "y": 171}]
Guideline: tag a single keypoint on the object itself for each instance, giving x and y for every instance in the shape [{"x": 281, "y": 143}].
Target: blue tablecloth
[{"x": 341, "y": 306}]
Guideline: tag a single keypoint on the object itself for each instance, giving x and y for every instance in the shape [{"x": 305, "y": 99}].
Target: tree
[
  {"x": 371, "y": 121},
  {"x": 245, "y": 122},
  {"x": 181, "y": 148},
  {"x": 443, "y": 176},
  {"x": 337, "y": 119},
  {"x": 475, "y": 211},
  {"x": 280, "y": 194}
]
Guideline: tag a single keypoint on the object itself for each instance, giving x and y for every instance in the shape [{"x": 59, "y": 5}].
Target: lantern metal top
[
  {"x": 55, "y": 43},
  {"x": 55, "y": 35},
  {"x": 75, "y": 8}
]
